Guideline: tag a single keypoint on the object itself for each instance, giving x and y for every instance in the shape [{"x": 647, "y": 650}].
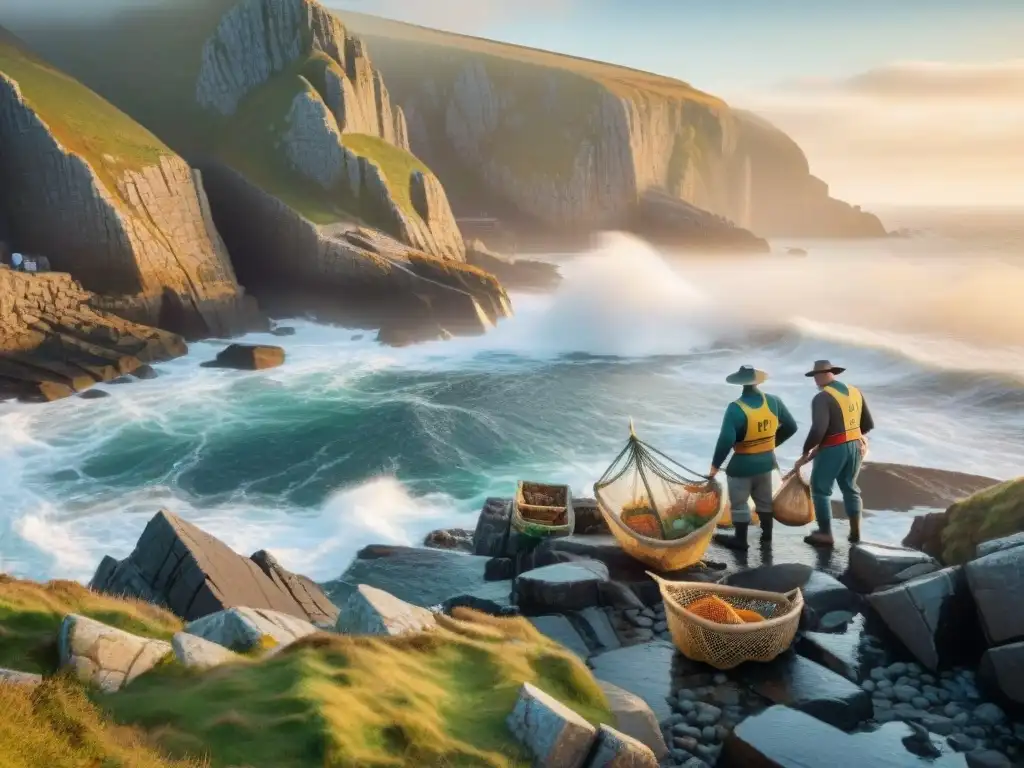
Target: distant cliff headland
[{"x": 183, "y": 162}]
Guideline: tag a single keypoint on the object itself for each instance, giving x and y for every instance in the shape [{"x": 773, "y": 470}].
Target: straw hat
[
  {"x": 746, "y": 375},
  {"x": 824, "y": 366}
]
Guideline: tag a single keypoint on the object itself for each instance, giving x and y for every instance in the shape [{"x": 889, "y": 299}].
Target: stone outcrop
[
  {"x": 514, "y": 274},
  {"x": 257, "y": 39},
  {"x": 198, "y": 653},
  {"x": 668, "y": 221},
  {"x": 383, "y": 281},
  {"x": 138, "y": 231},
  {"x": 574, "y": 143},
  {"x": 104, "y": 656},
  {"x": 372, "y": 611},
  {"x": 55, "y": 340},
  {"x": 195, "y": 574},
  {"x": 248, "y": 629}
]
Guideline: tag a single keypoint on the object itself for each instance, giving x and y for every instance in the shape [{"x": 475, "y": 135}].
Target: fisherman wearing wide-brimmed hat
[
  {"x": 753, "y": 426},
  {"x": 836, "y": 442}
]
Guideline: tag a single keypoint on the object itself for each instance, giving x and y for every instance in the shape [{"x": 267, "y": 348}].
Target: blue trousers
[{"x": 836, "y": 464}]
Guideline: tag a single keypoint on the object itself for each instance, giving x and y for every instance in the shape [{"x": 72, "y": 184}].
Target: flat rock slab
[
  {"x": 997, "y": 584},
  {"x": 933, "y": 616},
  {"x": 423, "y": 577},
  {"x": 615, "y": 749},
  {"x": 879, "y": 565},
  {"x": 645, "y": 670},
  {"x": 781, "y": 737},
  {"x": 195, "y": 574},
  {"x": 562, "y": 587},
  {"x": 243, "y": 629},
  {"x": 555, "y": 735},
  {"x": 372, "y": 611},
  {"x": 104, "y": 656},
  {"x": 634, "y": 717},
  {"x": 842, "y": 652},
  {"x": 1002, "y": 670},
  {"x": 801, "y": 684},
  {"x": 1000, "y": 545},
  {"x": 561, "y": 630},
  {"x": 595, "y": 626},
  {"x": 14, "y": 677},
  {"x": 194, "y": 651}
]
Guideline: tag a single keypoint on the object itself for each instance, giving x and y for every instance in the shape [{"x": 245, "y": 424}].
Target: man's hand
[
  {"x": 712, "y": 472},
  {"x": 802, "y": 460},
  {"x": 863, "y": 445}
]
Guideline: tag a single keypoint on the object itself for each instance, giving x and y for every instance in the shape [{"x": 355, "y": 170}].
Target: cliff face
[
  {"x": 575, "y": 143},
  {"x": 105, "y": 201}
]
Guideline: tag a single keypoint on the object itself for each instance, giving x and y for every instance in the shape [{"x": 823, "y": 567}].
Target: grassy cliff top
[
  {"x": 31, "y": 614},
  {"x": 990, "y": 514},
  {"x": 622, "y": 81},
  {"x": 81, "y": 120},
  {"x": 397, "y": 165}
]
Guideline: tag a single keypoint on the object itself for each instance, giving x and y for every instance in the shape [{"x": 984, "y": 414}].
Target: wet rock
[
  {"x": 248, "y": 357},
  {"x": 146, "y": 373},
  {"x": 839, "y": 652},
  {"x": 999, "y": 545},
  {"x": 988, "y": 758},
  {"x": 822, "y": 593},
  {"x": 562, "y": 587},
  {"x": 372, "y": 611},
  {"x": 993, "y": 580},
  {"x": 104, "y": 656},
  {"x": 245, "y": 629},
  {"x": 556, "y": 736},
  {"x": 878, "y": 565},
  {"x": 801, "y": 684},
  {"x": 596, "y": 627},
  {"x": 1002, "y": 670},
  {"x": 644, "y": 670},
  {"x": 561, "y": 630},
  {"x": 94, "y": 394},
  {"x": 282, "y": 330},
  {"x": 193, "y": 651},
  {"x": 834, "y": 621},
  {"x": 455, "y": 539},
  {"x": 781, "y": 737},
  {"x": 989, "y": 714},
  {"x": 634, "y": 718},
  {"x": 932, "y": 615},
  {"x": 589, "y": 520},
  {"x": 961, "y": 743},
  {"x": 401, "y": 572},
  {"x": 14, "y": 677},
  {"x": 615, "y": 749},
  {"x": 492, "y": 528},
  {"x": 481, "y": 604},
  {"x": 500, "y": 569},
  {"x": 618, "y": 595},
  {"x": 920, "y": 743}
]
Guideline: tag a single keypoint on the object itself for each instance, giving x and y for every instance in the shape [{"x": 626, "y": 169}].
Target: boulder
[
  {"x": 372, "y": 611},
  {"x": 492, "y": 527},
  {"x": 421, "y": 576},
  {"x": 615, "y": 749},
  {"x": 195, "y": 574},
  {"x": 634, "y": 718},
  {"x": 822, "y": 593},
  {"x": 556, "y": 736},
  {"x": 246, "y": 629},
  {"x": 933, "y": 615},
  {"x": 879, "y": 565},
  {"x": 997, "y": 582},
  {"x": 1000, "y": 545},
  {"x": 1002, "y": 671},
  {"x": 14, "y": 677},
  {"x": 562, "y": 587},
  {"x": 194, "y": 651},
  {"x": 104, "y": 656},
  {"x": 248, "y": 357},
  {"x": 456, "y": 539},
  {"x": 797, "y": 682},
  {"x": 841, "y": 652},
  {"x": 561, "y": 630},
  {"x": 306, "y": 592},
  {"x": 644, "y": 670}
]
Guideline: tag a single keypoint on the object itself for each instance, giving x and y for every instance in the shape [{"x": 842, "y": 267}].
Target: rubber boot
[
  {"x": 855, "y": 530},
  {"x": 767, "y": 521},
  {"x": 737, "y": 540}
]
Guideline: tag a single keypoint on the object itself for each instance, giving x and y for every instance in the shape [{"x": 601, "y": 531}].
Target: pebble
[
  {"x": 868, "y": 685},
  {"x": 687, "y": 693},
  {"x": 882, "y": 703},
  {"x": 644, "y": 634},
  {"x": 686, "y": 742},
  {"x": 878, "y": 673},
  {"x": 720, "y": 679},
  {"x": 897, "y": 669},
  {"x": 975, "y": 731},
  {"x": 987, "y": 758},
  {"x": 660, "y": 627},
  {"x": 686, "y": 706},
  {"x": 928, "y": 679},
  {"x": 644, "y": 622},
  {"x": 920, "y": 702},
  {"x": 885, "y": 684},
  {"x": 687, "y": 730},
  {"x": 990, "y": 714},
  {"x": 904, "y": 693},
  {"x": 961, "y": 743},
  {"x": 695, "y": 762},
  {"x": 709, "y": 733}
]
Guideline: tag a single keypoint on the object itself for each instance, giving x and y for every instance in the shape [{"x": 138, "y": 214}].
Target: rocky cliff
[
  {"x": 106, "y": 201},
  {"x": 575, "y": 143}
]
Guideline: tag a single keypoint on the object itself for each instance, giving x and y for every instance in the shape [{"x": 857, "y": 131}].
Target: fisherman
[
  {"x": 836, "y": 442},
  {"x": 753, "y": 426}
]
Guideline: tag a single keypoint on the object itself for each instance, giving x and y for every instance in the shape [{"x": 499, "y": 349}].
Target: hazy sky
[{"x": 895, "y": 101}]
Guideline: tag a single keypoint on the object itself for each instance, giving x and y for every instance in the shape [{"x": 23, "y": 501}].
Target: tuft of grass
[
  {"x": 57, "y": 726},
  {"x": 989, "y": 514},
  {"x": 82, "y": 121},
  {"x": 397, "y": 165},
  {"x": 31, "y": 614},
  {"x": 438, "y": 698}
]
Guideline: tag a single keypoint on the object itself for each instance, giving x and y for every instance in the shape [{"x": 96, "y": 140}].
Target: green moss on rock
[{"x": 990, "y": 514}]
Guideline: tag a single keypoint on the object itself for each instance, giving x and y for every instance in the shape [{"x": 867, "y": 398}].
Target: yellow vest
[
  {"x": 762, "y": 425},
  {"x": 851, "y": 405}
]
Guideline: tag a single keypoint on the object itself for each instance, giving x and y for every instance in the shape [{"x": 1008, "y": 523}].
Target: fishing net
[
  {"x": 725, "y": 626},
  {"x": 655, "y": 496},
  {"x": 792, "y": 504}
]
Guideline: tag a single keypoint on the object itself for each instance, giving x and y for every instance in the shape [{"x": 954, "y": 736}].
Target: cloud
[
  {"x": 946, "y": 132},
  {"x": 465, "y": 16}
]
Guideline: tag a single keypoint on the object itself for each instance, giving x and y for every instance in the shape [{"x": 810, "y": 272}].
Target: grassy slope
[
  {"x": 986, "y": 515},
  {"x": 86, "y": 124},
  {"x": 436, "y": 699},
  {"x": 30, "y": 616}
]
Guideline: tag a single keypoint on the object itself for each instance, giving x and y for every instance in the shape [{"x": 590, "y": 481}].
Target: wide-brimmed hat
[
  {"x": 746, "y": 375},
  {"x": 824, "y": 366}
]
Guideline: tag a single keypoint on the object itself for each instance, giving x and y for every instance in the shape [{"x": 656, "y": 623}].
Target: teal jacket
[{"x": 734, "y": 428}]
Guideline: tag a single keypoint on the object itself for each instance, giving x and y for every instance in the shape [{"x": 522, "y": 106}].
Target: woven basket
[{"x": 724, "y": 646}]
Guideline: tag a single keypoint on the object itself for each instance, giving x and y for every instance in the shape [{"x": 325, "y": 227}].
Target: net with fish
[{"x": 654, "y": 504}]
